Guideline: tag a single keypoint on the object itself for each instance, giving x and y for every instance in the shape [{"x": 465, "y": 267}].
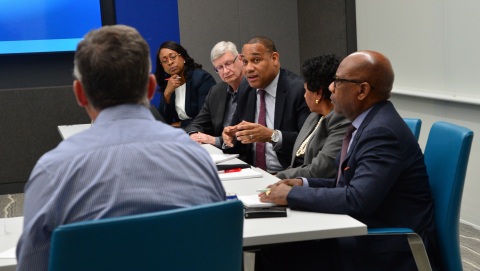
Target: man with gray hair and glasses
[
  {"x": 126, "y": 163},
  {"x": 221, "y": 101}
]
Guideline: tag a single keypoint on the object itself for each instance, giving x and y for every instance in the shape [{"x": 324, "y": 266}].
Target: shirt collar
[
  {"x": 272, "y": 88},
  {"x": 358, "y": 121}
]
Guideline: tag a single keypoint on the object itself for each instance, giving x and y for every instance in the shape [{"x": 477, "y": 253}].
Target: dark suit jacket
[
  {"x": 383, "y": 183},
  {"x": 291, "y": 111},
  {"x": 198, "y": 84},
  {"x": 210, "y": 119}
]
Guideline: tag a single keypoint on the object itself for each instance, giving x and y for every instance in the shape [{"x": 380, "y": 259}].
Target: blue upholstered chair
[
  {"x": 415, "y": 125},
  {"x": 206, "y": 237},
  {"x": 446, "y": 157}
]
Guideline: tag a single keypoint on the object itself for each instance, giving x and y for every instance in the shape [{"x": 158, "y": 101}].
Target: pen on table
[
  {"x": 230, "y": 170},
  {"x": 178, "y": 77},
  {"x": 265, "y": 191}
]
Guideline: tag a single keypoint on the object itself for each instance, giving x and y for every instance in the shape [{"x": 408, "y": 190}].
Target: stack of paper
[
  {"x": 254, "y": 201},
  {"x": 218, "y": 158},
  {"x": 244, "y": 173}
]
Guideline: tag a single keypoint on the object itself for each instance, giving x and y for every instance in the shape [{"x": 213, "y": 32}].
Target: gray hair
[{"x": 221, "y": 48}]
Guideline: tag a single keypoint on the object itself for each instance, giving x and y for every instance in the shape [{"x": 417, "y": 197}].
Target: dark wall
[
  {"x": 29, "y": 120},
  {"x": 326, "y": 26}
]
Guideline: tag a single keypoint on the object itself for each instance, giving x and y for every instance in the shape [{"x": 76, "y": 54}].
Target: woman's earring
[
  {"x": 184, "y": 62},
  {"x": 316, "y": 101}
]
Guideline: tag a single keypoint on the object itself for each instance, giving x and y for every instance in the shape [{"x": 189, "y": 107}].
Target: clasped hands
[
  {"x": 247, "y": 133},
  {"x": 278, "y": 191}
]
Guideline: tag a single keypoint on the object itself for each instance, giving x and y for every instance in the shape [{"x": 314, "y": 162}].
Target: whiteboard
[{"x": 432, "y": 44}]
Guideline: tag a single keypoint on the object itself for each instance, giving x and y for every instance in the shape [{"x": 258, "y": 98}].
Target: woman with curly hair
[{"x": 320, "y": 139}]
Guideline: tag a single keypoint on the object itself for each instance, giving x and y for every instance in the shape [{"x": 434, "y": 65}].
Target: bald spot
[{"x": 374, "y": 68}]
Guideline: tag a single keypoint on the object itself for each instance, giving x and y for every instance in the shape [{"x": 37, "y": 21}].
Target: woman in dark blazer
[{"x": 182, "y": 83}]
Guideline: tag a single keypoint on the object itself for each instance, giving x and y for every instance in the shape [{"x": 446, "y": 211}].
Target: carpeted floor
[
  {"x": 12, "y": 206},
  {"x": 470, "y": 247}
]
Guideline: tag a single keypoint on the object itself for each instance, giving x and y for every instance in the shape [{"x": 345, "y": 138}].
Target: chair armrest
[
  {"x": 415, "y": 242},
  {"x": 387, "y": 231}
]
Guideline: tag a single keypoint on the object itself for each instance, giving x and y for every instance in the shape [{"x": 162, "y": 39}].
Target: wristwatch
[{"x": 275, "y": 137}]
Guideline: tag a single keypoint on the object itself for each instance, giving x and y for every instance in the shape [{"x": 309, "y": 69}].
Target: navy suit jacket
[
  {"x": 383, "y": 183},
  {"x": 210, "y": 119},
  {"x": 291, "y": 111},
  {"x": 198, "y": 84}
]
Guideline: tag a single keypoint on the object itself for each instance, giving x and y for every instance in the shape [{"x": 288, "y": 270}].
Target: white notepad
[
  {"x": 254, "y": 201},
  {"x": 218, "y": 158},
  {"x": 67, "y": 131},
  {"x": 245, "y": 173}
]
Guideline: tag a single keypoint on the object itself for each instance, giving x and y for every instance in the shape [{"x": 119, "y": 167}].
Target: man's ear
[
  {"x": 80, "y": 93},
  {"x": 364, "y": 91},
  {"x": 276, "y": 58},
  {"x": 152, "y": 84}
]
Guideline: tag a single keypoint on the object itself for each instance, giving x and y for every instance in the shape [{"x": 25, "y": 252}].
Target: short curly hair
[{"x": 319, "y": 71}]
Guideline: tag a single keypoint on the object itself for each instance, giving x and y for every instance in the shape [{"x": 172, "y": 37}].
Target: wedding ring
[{"x": 251, "y": 137}]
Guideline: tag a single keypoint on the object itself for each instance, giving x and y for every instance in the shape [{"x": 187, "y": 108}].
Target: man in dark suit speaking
[
  {"x": 221, "y": 101},
  {"x": 270, "y": 111},
  {"x": 382, "y": 179}
]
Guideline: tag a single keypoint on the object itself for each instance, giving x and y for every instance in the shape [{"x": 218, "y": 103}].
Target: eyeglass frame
[
  {"x": 170, "y": 57},
  {"x": 336, "y": 79},
  {"x": 225, "y": 65}
]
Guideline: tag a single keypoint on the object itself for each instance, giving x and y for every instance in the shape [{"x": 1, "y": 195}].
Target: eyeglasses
[
  {"x": 336, "y": 80},
  {"x": 227, "y": 65},
  {"x": 171, "y": 57}
]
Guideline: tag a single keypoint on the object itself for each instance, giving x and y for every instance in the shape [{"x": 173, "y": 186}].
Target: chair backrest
[
  {"x": 206, "y": 237},
  {"x": 415, "y": 125},
  {"x": 446, "y": 157}
]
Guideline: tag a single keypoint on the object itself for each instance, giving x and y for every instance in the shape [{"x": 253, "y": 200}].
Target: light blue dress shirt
[{"x": 126, "y": 163}]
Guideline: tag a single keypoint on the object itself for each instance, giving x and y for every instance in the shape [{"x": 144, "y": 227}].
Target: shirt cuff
[{"x": 305, "y": 182}]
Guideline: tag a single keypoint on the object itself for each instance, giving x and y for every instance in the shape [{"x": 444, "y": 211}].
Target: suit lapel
[
  {"x": 252, "y": 104},
  {"x": 309, "y": 125},
  {"x": 280, "y": 100},
  {"x": 222, "y": 100},
  {"x": 364, "y": 124}
]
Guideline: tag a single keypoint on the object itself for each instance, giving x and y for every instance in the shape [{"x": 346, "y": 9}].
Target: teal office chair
[
  {"x": 206, "y": 237},
  {"x": 446, "y": 157},
  {"x": 415, "y": 125}
]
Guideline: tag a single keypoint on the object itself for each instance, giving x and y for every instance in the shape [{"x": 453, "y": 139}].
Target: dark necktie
[
  {"x": 260, "y": 146},
  {"x": 346, "y": 142}
]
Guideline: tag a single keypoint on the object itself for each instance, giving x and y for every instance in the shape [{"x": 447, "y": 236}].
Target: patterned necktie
[
  {"x": 346, "y": 142},
  {"x": 260, "y": 160}
]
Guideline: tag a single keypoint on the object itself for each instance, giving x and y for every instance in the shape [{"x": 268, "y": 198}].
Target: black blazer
[
  {"x": 291, "y": 111},
  {"x": 198, "y": 84},
  {"x": 210, "y": 119}
]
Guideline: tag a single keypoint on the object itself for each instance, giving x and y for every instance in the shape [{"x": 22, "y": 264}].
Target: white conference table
[
  {"x": 9, "y": 240},
  {"x": 297, "y": 226}
]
